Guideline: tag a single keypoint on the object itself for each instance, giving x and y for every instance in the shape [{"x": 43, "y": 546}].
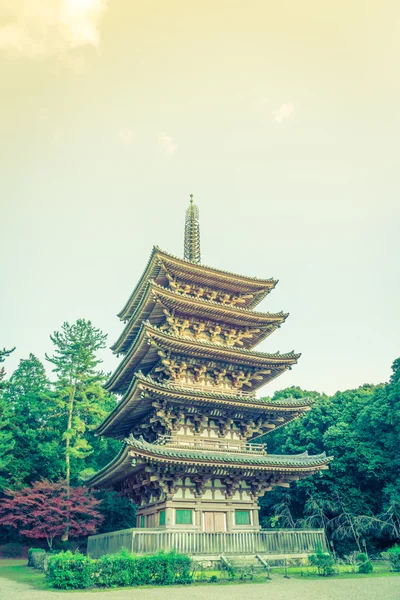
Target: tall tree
[
  {"x": 78, "y": 385},
  {"x": 6, "y": 439},
  {"x": 34, "y": 424}
]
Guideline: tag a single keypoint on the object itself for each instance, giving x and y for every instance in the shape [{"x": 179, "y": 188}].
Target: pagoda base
[
  {"x": 201, "y": 515},
  {"x": 270, "y": 544}
]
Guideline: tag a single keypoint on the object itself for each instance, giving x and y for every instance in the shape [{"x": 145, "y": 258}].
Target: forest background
[{"x": 47, "y": 431}]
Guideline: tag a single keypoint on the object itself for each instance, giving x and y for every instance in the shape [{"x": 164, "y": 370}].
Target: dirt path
[{"x": 380, "y": 588}]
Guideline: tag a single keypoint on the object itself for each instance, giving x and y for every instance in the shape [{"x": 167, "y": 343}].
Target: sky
[{"x": 281, "y": 117}]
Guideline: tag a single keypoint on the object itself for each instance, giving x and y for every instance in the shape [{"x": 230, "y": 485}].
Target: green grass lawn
[
  {"x": 381, "y": 569},
  {"x": 18, "y": 570}
]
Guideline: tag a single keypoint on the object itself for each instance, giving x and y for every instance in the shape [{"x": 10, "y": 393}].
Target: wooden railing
[
  {"x": 210, "y": 444},
  {"x": 287, "y": 542}
]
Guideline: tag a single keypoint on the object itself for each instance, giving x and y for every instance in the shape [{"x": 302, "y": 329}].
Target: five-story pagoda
[{"x": 189, "y": 411}]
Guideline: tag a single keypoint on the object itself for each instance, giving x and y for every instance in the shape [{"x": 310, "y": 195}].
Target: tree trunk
[{"x": 65, "y": 535}]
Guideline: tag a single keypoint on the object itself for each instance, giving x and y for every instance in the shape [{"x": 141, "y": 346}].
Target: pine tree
[{"x": 80, "y": 395}]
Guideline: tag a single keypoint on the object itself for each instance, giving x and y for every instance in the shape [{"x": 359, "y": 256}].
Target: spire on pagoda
[{"x": 192, "y": 233}]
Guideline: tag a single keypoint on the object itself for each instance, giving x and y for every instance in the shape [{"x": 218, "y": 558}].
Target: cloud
[
  {"x": 41, "y": 28},
  {"x": 284, "y": 112},
  {"x": 168, "y": 144},
  {"x": 126, "y": 136}
]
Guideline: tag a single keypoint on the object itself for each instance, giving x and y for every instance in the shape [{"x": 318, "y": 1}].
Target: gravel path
[{"x": 380, "y": 588}]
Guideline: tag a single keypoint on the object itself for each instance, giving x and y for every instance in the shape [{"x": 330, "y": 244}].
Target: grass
[
  {"x": 381, "y": 569},
  {"x": 18, "y": 570}
]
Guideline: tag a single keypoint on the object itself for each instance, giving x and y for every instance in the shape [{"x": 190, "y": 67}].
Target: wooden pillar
[
  {"x": 256, "y": 521},
  {"x": 230, "y": 518},
  {"x": 169, "y": 516},
  {"x": 197, "y": 518}
]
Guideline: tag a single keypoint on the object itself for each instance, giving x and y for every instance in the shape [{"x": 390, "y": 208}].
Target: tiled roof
[
  {"x": 211, "y": 309},
  {"x": 248, "y": 398},
  {"x": 274, "y": 460},
  {"x": 153, "y": 268}
]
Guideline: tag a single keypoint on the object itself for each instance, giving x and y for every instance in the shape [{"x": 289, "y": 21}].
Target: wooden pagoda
[{"x": 189, "y": 413}]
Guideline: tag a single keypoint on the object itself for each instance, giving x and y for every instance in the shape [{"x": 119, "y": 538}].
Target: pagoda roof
[
  {"x": 125, "y": 463},
  {"x": 160, "y": 263},
  {"x": 143, "y": 355},
  {"x": 156, "y": 298},
  {"x": 133, "y": 406}
]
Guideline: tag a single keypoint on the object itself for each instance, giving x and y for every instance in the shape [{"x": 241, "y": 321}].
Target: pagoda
[{"x": 189, "y": 416}]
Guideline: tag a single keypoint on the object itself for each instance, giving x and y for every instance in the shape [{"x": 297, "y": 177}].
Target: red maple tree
[{"x": 44, "y": 510}]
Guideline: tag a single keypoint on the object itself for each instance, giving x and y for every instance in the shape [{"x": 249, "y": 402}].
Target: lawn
[{"x": 18, "y": 570}]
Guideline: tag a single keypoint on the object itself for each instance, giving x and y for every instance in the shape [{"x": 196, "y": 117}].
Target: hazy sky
[{"x": 282, "y": 117}]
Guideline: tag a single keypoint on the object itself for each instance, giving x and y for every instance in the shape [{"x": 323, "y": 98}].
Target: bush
[
  {"x": 37, "y": 558},
  {"x": 71, "y": 571},
  {"x": 31, "y": 552},
  {"x": 365, "y": 565},
  {"x": 393, "y": 556},
  {"x": 11, "y": 550},
  {"x": 75, "y": 571},
  {"x": 324, "y": 563}
]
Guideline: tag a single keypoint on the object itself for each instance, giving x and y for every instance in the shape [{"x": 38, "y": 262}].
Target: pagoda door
[{"x": 214, "y": 521}]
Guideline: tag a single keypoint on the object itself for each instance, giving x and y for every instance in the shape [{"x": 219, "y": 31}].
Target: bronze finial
[{"x": 192, "y": 233}]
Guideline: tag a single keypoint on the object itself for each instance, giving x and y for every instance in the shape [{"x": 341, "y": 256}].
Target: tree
[
  {"x": 80, "y": 395},
  {"x": 6, "y": 439},
  {"x": 34, "y": 424},
  {"x": 3, "y": 355},
  {"x": 44, "y": 510},
  {"x": 78, "y": 385}
]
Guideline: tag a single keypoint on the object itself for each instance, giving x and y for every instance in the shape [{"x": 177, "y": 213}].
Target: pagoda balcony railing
[
  {"x": 272, "y": 544},
  {"x": 212, "y": 445},
  {"x": 218, "y": 389}
]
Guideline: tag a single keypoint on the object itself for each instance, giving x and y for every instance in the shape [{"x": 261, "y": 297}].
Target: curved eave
[
  {"x": 133, "y": 406},
  {"x": 201, "y": 274},
  {"x": 188, "y": 306},
  {"x": 142, "y": 355},
  {"x": 124, "y": 464}
]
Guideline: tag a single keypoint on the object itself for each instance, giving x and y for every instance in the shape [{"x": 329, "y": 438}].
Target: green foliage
[
  {"x": 75, "y": 571},
  {"x": 34, "y": 424},
  {"x": 393, "y": 556},
  {"x": 366, "y": 565},
  {"x": 32, "y": 552},
  {"x": 358, "y": 498},
  {"x": 324, "y": 562},
  {"x": 39, "y": 560},
  {"x": 7, "y": 442},
  {"x": 118, "y": 511},
  {"x": 11, "y": 550},
  {"x": 68, "y": 571}
]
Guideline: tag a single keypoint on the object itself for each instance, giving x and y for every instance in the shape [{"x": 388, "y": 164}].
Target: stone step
[{"x": 246, "y": 561}]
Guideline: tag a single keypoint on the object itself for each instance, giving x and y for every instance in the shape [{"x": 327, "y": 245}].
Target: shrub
[
  {"x": 31, "y": 552},
  {"x": 71, "y": 571},
  {"x": 117, "y": 569},
  {"x": 213, "y": 579},
  {"x": 365, "y": 565},
  {"x": 393, "y": 556},
  {"x": 11, "y": 550},
  {"x": 39, "y": 560},
  {"x": 324, "y": 563},
  {"x": 76, "y": 571}
]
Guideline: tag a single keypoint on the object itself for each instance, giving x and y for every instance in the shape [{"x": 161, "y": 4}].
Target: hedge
[
  {"x": 37, "y": 558},
  {"x": 68, "y": 570}
]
